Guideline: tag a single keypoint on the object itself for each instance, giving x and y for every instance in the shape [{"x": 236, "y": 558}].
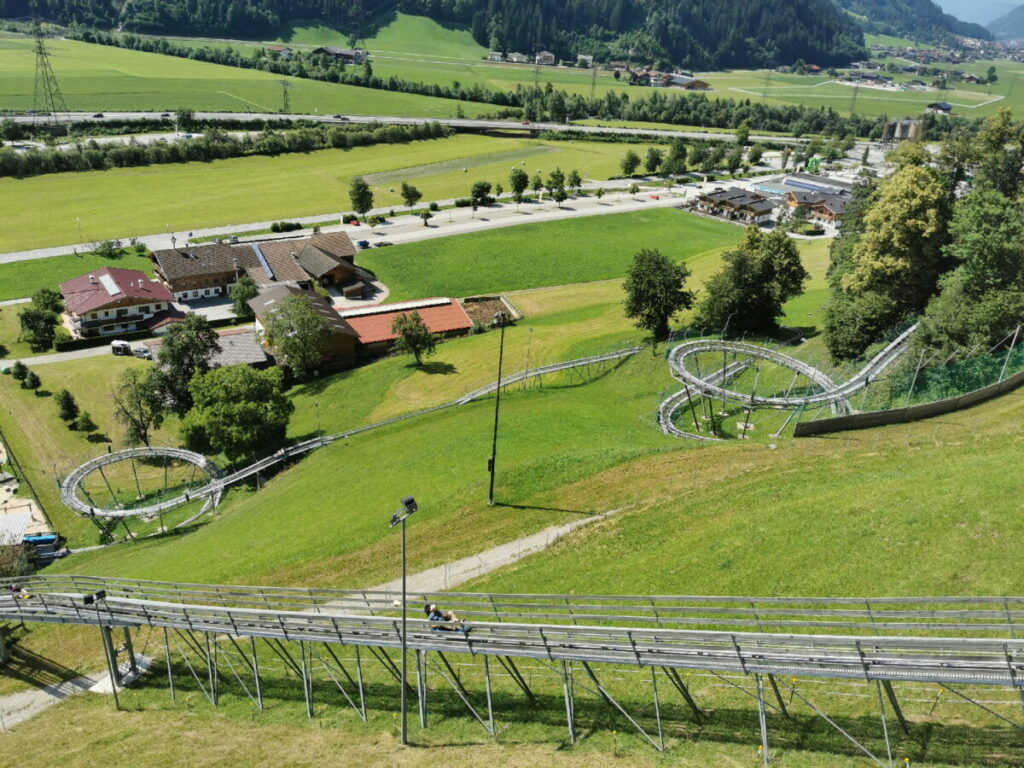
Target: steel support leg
[
  {"x": 170, "y": 669},
  {"x": 211, "y": 669},
  {"x": 5, "y": 654},
  {"x": 895, "y": 707},
  {"x": 108, "y": 651},
  {"x": 130, "y": 650},
  {"x": 570, "y": 701},
  {"x": 615, "y": 705},
  {"x": 517, "y": 676},
  {"x": 461, "y": 691},
  {"x": 256, "y": 674},
  {"x": 421, "y": 686},
  {"x": 360, "y": 709},
  {"x": 487, "y": 689},
  {"x": 307, "y": 682},
  {"x": 762, "y": 719},
  {"x": 885, "y": 724},
  {"x": 680, "y": 686},
  {"x": 778, "y": 696},
  {"x": 657, "y": 708}
]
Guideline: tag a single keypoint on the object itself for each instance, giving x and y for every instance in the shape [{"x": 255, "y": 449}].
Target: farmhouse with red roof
[{"x": 111, "y": 300}]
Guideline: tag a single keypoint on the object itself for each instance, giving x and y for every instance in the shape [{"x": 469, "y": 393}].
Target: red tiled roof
[
  {"x": 375, "y": 325},
  {"x": 89, "y": 292}
]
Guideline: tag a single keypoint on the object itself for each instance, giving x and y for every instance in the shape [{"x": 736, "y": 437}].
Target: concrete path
[
  {"x": 59, "y": 357},
  {"x": 16, "y": 708},
  {"x": 458, "y": 572}
]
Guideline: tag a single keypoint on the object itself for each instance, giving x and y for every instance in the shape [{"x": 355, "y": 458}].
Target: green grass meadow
[
  {"x": 128, "y": 202},
  {"x": 96, "y": 77}
]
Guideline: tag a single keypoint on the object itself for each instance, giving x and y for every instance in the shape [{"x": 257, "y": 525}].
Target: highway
[{"x": 462, "y": 124}]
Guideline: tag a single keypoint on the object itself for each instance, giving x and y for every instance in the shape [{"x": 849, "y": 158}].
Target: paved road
[
  {"x": 406, "y": 228},
  {"x": 458, "y": 123},
  {"x": 59, "y": 357}
]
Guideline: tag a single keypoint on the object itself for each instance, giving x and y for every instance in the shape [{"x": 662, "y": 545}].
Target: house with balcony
[{"x": 110, "y": 301}]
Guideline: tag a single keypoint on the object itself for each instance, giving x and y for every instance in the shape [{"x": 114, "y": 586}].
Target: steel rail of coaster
[
  {"x": 555, "y": 630},
  {"x": 214, "y": 489},
  {"x": 832, "y": 394}
]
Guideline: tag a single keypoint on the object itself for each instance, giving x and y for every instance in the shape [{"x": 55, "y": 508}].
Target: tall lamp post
[
  {"x": 409, "y": 506},
  {"x": 500, "y": 319},
  {"x": 319, "y": 432}
]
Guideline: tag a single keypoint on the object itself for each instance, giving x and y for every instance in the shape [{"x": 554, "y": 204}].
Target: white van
[{"x": 119, "y": 347}]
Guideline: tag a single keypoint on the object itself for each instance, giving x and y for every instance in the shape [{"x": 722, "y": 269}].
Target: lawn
[
  {"x": 127, "y": 202},
  {"x": 19, "y": 279},
  {"x": 552, "y": 253},
  {"x": 96, "y": 77}
]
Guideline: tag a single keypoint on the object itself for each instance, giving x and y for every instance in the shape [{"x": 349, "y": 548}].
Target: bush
[
  {"x": 84, "y": 422},
  {"x": 31, "y": 381},
  {"x": 19, "y": 371},
  {"x": 434, "y": 206},
  {"x": 61, "y": 335},
  {"x": 285, "y": 226},
  {"x": 463, "y": 202}
]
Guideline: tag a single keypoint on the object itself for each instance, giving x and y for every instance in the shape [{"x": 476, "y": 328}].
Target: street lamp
[
  {"x": 500, "y": 319},
  {"x": 409, "y": 506},
  {"x": 319, "y": 432}
]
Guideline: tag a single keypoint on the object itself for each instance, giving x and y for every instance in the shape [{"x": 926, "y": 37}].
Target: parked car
[
  {"x": 119, "y": 347},
  {"x": 363, "y": 243},
  {"x": 143, "y": 353},
  {"x": 384, "y": 243}
]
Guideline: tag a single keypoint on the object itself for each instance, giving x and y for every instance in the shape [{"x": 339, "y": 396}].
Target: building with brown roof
[
  {"x": 238, "y": 346},
  {"x": 112, "y": 300},
  {"x": 737, "y": 204},
  {"x": 341, "y": 346},
  {"x": 442, "y": 316},
  {"x": 202, "y": 271}
]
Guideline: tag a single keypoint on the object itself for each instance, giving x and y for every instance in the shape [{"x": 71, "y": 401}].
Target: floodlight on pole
[{"x": 409, "y": 506}]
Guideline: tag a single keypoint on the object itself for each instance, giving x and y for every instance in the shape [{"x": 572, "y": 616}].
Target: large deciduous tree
[
  {"x": 186, "y": 351},
  {"x": 241, "y": 292},
  {"x": 138, "y": 398},
  {"x": 298, "y": 335},
  {"x": 237, "y": 411},
  {"x": 414, "y": 337},
  {"x": 360, "y": 195},
  {"x": 655, "y": 291},
  {"x": 758, "y": 277}
]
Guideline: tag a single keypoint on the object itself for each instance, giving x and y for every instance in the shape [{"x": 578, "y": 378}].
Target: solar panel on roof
[{"x": 108, "y": 282}]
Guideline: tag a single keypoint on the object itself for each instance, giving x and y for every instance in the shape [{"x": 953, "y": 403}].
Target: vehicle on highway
[
  {"x": 98, "y": 114},
  {"x": 340, "y": 117},
  {"x": 165, "y": 114},
  {"x": 119, "y": 347},
  {"x": 143, "y": 353}
]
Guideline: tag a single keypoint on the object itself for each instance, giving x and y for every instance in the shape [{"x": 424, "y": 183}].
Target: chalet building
[
  {"x": 737, "y": 205},
  {"x": 204, "y": 271},
  {"x": 283, "y": 52},
  {"x": 584, "y": 60},
  {"x": 546, "y": 58},
  {"x": 518, "y": 58},
  {"x": 822, "y": 207},
  {"x": 237, "y": 346},
  {"x": 443, "y": 317},
  {"x": 341, "y": 346},
  {"x": 939, "y": 108},
  {"x": 110, "y": 301},
  {"x": 347, "y": 56},
  {"x": 495, "y": 56}
]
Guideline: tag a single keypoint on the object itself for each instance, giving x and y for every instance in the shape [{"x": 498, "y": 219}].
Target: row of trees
[
  {"x": 67, "y": 406},
  {"x": 538, "y": 103},
  {"x": 214, "y": 144},
  {"x": 915, "y": 246}
]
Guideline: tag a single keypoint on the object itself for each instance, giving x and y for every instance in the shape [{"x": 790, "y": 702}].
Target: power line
[{"x": 48, "y": 98}]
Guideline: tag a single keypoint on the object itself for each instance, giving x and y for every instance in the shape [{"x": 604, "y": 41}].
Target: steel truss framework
[
  {"x": 215, "y": 630},
  {"x": 696, "y": 384},
  {"x": 211, "y": 492}
]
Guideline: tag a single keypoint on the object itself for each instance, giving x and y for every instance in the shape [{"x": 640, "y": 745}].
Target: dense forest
[
  {"x": 697, "y": 34},
  {"x": 1010, "y": 26},
  {"x": 918, "y": 19}
]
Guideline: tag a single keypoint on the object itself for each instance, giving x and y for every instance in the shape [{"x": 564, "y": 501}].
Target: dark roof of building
[
  {"x": 316, "y": 262},
  {"x": 268, "y": 302},
  {"x": 822, "y": 181},
  {"x": 221, "y": 258},
  {"x": 238, "y": 346},
  {"x": 440, "y": 315},
  {"x": 721, "y": 195},
  {"x": 835, "y": 203},
  {"x": 944, "y": 106},
  {"x": 111, "y": 285}
]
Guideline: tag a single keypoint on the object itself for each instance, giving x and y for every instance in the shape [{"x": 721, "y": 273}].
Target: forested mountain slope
[
  {"x": 1010, "y": 26},
  {"x": 920, "y": 19},
  {"x": 698, "y": 34}
]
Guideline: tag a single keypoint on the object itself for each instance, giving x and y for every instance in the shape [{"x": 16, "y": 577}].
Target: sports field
[{"x": 127, "y": 202}]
